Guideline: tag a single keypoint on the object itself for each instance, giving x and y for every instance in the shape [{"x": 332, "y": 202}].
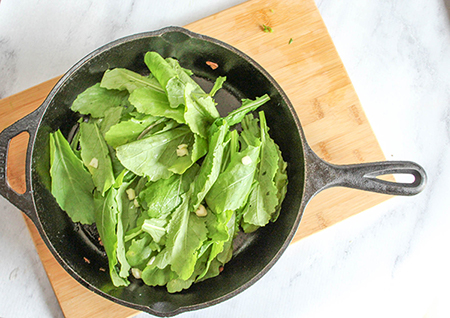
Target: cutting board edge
[{"x": 204, "y": 19}]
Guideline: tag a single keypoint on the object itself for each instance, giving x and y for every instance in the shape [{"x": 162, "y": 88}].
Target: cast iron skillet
[{"x": 254, "y": 254}]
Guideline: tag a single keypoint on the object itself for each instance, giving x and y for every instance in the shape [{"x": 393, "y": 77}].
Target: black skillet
[{"x": 254, "y": 254}]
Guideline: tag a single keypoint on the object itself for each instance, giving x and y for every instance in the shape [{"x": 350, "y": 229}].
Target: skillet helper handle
[
  {"x": 364, "y": 176},
  {"x": 24, "y": 201}
]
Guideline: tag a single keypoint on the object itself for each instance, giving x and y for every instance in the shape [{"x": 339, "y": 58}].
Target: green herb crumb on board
[
  {"x": 134, "y": 169},
  {"x": 267, "y": 29}
]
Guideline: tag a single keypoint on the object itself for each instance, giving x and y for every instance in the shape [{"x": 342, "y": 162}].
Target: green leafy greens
[{"x": 167, "y": 181}]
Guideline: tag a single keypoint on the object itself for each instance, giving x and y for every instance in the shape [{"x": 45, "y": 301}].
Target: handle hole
[
  {"x": 406, "y": 178},
  {"x": 16, "y": 162}
]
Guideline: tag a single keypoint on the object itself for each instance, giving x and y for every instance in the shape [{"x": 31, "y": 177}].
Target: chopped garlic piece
[
  {"x": 137, "y": 273},
  {"x": 246, "y": 160},
  {"x": 94, "y": 163},
  {"x": 182, "y": 150},
  {"x": 136, "y": 203},
  {"x": 201, "y": 211},
  {"x": 131, "y": 194}
]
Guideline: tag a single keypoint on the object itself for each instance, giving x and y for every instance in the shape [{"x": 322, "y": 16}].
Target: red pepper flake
[
  {"x": 86, "y": 260},
  {"x": 212, "y": 65},
  {"x": 102, "y": 269},
  {"x": 220, "y": 269}
]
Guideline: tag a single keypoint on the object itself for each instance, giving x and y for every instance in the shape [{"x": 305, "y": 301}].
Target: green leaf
[
  {"x": 148, "y": 101},
  {"x": 106, "y": 219},
  {"x": 183, "y": 75},
  {"x": 247, "y": 106},
  {"x": 95, "y": 155},
  {"x": 72, "y": 184},
  {"x": 177, "y": 284},
  {"x": 175, "y": 92},
  {"x": 129, "y": 130},
  {"x": 187, "y": 71},
  {"x": 203, "y": 105},
  {"x": 160, "y": 198},
  {"x": 222, "y": 252},
  {"x": 130, "y": 212},
  {"x": 139, "y": 251},
  {"x": 217, "y": 225},
  {"x": 281, "y": 181},
  {"x": 199, "y": 149},
  {"x": 96, "y": 100},
  {"x": 263, "y": 197},
  {"x": 112, "y": 117},
  {"x": 231, "y": 190},
  {"x": 167, "y": 78},
  {"x": 248, "y": 228},
  {"x": 188, "y": 177},
  {"x": 155, "y": 276},
  {"x": 156, "y": 156},
  {"x": 210, "y": 168},
  {"x": 227, "y": 252},
  {"x": 159, "y": 67},
  {"x": 217, "y": 85},
  {"x": 133, "y": 212},
  {"x": 253, "y": 212},
  {"x": 120, "y": 231},
  {"x": 116, "y": 165},
  {"x": 200, "y": 111},
  {"x": 123, "y": 79},
  {"x": 251, "y": 132},
  {"x": 269, "y": 187},
  {"x": 155, "y": 227},
  {"x": 218, "y": 233},
  {"x": 158, "y": 271},
  {"x": 214, "y": 269},
  {"x": 185, "y": 235},
  {"x": 206, "y": 103},
  {"x": 231, "y": 148}
]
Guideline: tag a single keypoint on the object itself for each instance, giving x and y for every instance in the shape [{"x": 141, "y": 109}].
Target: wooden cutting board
[{"x": 300, "y": 55}]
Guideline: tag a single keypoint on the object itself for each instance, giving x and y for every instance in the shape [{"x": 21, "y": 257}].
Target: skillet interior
[{"x": 255, "y": 253}]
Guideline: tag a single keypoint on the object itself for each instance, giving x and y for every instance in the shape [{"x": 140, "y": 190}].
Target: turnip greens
[{"x": 167, "y": 181}]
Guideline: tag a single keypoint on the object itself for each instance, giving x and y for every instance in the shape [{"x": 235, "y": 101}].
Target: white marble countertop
[{"x": 389, "y": 261}]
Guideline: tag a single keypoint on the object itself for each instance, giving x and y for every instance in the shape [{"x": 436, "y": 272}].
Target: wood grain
[{"x": 314, "y": 78}]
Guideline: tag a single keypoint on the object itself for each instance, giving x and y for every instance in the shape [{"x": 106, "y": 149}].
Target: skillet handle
[
  {"x": 364, "y": 176},
  {"x": 22, "y": 201}
]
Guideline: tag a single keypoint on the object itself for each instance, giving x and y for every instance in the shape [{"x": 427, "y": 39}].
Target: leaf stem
[{"x": 146, "y": 130}]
